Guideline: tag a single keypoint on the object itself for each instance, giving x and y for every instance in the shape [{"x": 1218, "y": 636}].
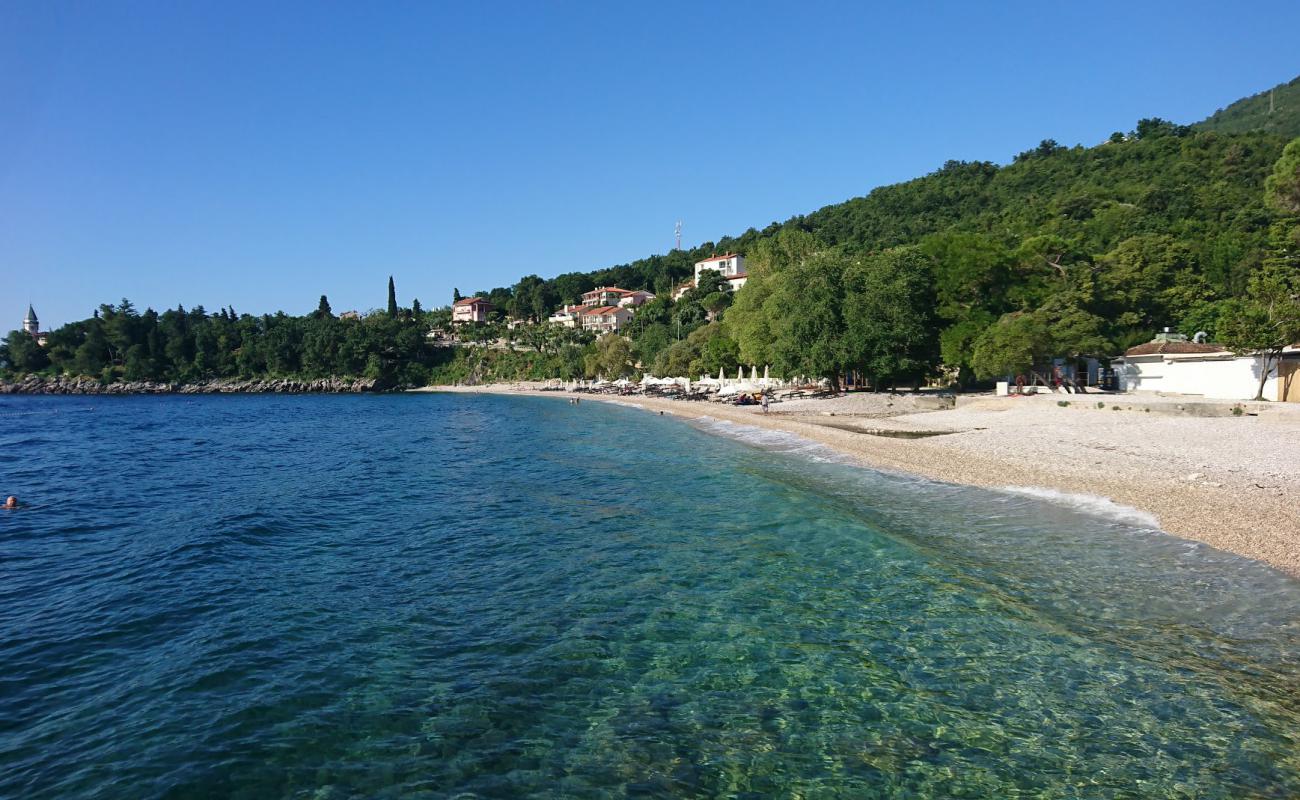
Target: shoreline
[{"x": 1227, "y": 482}]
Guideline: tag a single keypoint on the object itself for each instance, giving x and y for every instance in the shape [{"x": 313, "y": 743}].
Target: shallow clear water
[{"x": 426, "y": 596}]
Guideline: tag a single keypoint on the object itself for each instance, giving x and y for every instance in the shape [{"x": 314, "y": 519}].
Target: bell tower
[{"x": 30, "y": 323}]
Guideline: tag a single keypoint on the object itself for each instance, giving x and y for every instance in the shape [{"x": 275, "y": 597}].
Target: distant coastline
[
  {"x": 1229, "y": 482},
  {"x": 38, "y": 385}
]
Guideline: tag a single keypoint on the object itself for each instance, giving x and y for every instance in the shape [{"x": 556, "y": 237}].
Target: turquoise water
[{"x": 442, "y": 596}]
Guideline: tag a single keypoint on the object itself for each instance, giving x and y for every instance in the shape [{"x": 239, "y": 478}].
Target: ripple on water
[{"x": 389, "y": 596}]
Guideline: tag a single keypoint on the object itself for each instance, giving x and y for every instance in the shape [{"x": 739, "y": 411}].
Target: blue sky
[{"x": 261, "y": 154}]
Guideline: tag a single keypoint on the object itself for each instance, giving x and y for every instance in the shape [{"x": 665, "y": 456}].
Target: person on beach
[
  {"x": 11, "y": 502},
  {"x": 764, "y": 402}
]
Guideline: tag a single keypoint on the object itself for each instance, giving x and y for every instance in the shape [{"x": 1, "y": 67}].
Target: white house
[
  {"x": 470, "y": 309},
  {"x": 1173, "y": 365},
  {"x": 731, "y": 266},
  {"x": 605, "y": 319},
  {"x": 568, "y": 316},
  {"x": 634, "y": 298}
]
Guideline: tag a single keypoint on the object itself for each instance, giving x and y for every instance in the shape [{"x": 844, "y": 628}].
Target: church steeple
[{"x": 30, "y": 323}]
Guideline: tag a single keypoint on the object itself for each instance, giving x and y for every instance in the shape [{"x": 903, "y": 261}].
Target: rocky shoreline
[{"x": 36, "y": 384}]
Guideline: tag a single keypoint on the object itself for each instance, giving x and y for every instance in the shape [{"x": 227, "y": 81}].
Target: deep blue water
[{"x": 439, "y": 596}]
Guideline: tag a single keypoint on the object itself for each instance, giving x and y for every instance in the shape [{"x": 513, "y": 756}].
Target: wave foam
[
  {"x": 769, "y": 439},
  {"x": 1092, "y": 504}
]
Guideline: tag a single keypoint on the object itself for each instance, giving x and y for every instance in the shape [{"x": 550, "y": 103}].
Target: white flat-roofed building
[
  {"x": 568, "y": 316},
  {"x": 636, "y": 297},
  {"x": 1173, "y": 365},
  {"x": 730, "y": 266}
]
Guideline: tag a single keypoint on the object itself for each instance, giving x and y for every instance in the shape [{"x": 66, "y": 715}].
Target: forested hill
[
  {"x": 1184, "y": 186},
  {"x": 1203, "y": 188},
  {"x": 1275, "y": 110}
]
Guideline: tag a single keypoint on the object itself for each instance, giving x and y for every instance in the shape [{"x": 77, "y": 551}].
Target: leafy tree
[
  {"x": 1015, "y": 344},
  {"x": 1267, "y": 319},
  {"x": 1282, "y": 187},
  {"x": 611, "y": 358},
  {"x": 890, "y": 331},
  {"x": 23, "y": 354},
  {"x": 806, "y": 317}
]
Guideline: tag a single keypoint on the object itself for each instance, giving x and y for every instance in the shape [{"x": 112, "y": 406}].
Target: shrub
[{"x": 1062, "y": 403}]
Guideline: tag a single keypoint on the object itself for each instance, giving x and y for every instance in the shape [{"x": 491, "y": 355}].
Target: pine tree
[
  {"x": 415, "y": 307},
  {"x": 455, "y": 295},
  {"x": 392, "y": 298},
  {"x": 324, "y": 310}
]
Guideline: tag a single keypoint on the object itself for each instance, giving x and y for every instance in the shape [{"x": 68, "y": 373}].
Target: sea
[{"x": 455, "y": 596}]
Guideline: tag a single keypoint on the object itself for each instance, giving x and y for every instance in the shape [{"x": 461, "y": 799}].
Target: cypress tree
[
  {"x": 392, "y": 298},
  {"x": 415, "y": 307},
  {"x": 324, "y": 310}
]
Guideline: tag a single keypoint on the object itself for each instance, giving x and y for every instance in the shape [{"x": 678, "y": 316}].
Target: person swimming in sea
[{"x": 10, "y": 502}]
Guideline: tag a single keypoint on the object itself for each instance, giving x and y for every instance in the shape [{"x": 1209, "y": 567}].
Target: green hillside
[{"x": 1275, "y": 110}]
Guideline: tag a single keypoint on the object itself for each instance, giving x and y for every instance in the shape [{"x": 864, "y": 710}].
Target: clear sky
[{"x": 260, "y": 154}]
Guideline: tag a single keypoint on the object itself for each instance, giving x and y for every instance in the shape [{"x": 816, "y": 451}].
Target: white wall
[
  {"x": 1222, "y": 379},
  {"x": 727, "y": 266}
]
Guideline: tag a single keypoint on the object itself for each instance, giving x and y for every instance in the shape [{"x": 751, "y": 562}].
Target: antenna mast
[{"x": 678, "y": 231}]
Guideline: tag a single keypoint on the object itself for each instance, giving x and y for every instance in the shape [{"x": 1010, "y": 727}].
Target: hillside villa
[
  {"x": 603, "y": 296},
  {"x": 470, "y": 309},
  {"x": 568, "y": 316},
  {"x": 731, "y": 266},
  {"x": 635, "y": 297},
  {"x": 605, "y": 319}
]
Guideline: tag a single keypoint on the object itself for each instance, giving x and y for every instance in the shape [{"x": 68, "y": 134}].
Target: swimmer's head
[{"x": 11, "y": 502}]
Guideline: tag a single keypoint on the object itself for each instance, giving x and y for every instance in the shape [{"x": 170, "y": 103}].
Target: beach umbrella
[
  {"x": 740, "y": 373},
  {"x": 765, "y": 378},
  {"x": 753, "y": 373},
  {"x": 721, "y": 375}
]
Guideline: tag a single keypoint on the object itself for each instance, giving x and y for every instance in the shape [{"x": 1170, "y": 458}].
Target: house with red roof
[
  {"x": 605, "y": 319},
  {"x": 470, "y": 309},
  {"x": 603, "y": 296}
]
